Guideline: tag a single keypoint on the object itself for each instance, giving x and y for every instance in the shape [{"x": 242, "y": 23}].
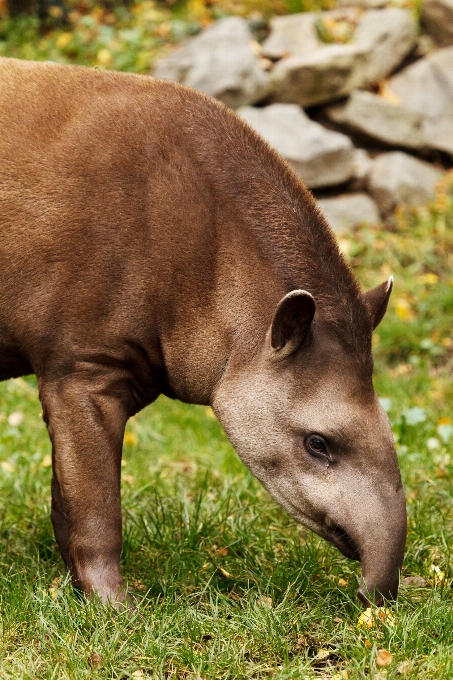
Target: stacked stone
[{"x": 381, "y": 94}]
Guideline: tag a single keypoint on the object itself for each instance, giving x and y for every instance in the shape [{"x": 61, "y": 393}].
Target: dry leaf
[
  {"x": 267, "y": 601},
  {"x": 94, "y": 659},
  {"x": 225, "y": 572},
  {"x": 404, "y": 667},
  {"x": 384, "y": 658},
  {"x": 323, "y": 654},
  {"x": 138, "y": 673},
  {"x": 130, "y": 479},
  {"x": 46, "y": 461},
  {"x": 342, "y": 582},
  {"x": 370, "y": 617}
]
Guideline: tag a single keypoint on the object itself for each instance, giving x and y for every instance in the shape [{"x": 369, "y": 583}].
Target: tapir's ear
[
  {"x": 377, "y": 299},
  {"x": 291, "y": 322}
]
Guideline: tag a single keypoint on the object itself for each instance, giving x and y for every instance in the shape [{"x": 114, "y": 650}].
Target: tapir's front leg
[{"x": 86, "y": 414}]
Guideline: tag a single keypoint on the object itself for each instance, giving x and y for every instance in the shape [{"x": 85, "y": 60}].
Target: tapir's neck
[{"x": 259, "y": 235}]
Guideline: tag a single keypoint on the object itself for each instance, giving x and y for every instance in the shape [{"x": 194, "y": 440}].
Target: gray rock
[
  {"x": 325, "y": 75},
  {"x": 388, "y": 35},
  {"x": 382, "y": 39},
  {"x": 386, "y": 122},
  {"x": 437, "y": 18},
  {"x": 361, "y": 168},
  {"x": 293, "y": 34},
  {"x": 320, "y": 157},
  {"x": 397, "y": 178},
  {"x": 426, "y": 87},
  {"x": 220, "y": 62},
  {"x": 349, "y": 211}
]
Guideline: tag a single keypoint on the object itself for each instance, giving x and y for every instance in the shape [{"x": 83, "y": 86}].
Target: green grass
[{"x": 231, "y": 586}]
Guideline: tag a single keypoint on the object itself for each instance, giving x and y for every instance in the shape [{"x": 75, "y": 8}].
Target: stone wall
[{"x": 359, "y": 99}]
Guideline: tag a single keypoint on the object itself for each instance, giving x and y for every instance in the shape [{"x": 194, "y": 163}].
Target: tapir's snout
[{"x": 382, "y": 553}]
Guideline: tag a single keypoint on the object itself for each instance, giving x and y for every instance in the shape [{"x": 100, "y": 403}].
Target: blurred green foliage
[{"x": 124, "y": 36}]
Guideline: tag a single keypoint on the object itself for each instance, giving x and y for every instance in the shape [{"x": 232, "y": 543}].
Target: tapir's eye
[{"x": 316, "y": 446}]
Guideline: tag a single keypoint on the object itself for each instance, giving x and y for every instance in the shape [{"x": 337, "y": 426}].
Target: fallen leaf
[
  {"x": 138, "y": 674},
  {"x": 225, "y": 572},
  {"x": 130, "y": 479},
  {"x": 338, "y": 620},
  {"x": 46, "y": 461},
  {"x": 384, "y": 658},
  {"x": 15, "y": 419},
  {"x": 369, "y": 617},
  {"x": 342, "y": 582},
  {"x": 404, "y": 667},
  {"x": 94, "y": 659},
  {"x": 323, "y": 654},
  {"x": 366, "y": 619},
  {"x": 267, "y": 601},
  {"x": 222, "y": 552}
]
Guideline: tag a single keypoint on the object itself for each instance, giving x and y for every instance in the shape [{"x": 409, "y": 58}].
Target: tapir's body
[{"x": 147, "y": 238}]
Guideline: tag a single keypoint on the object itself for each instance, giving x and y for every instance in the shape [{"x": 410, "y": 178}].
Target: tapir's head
[{"x": 304, "y": 417}]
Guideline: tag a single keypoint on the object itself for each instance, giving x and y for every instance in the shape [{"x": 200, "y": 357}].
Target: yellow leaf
[
  {"x": 445, "y": 420},
  {"x": 403, "y": 309},
  {"x": 130, "y": 439},
  {"x": 369, "y": 617},
  {"x": 53, "y": 593},
  {"x": 384, "y": 658},
  {"x": 46, "y": 461},
  {"x": 63, "y": 40},
  {"x": 342, "y": 582},
  {"x": 104, "y": 58},
  {"x": 367, "y": 643},
  {"x": 429, "y": 279},
  {"x": 366, "y": 619},
  {"x": 7, "y": 466},
  {"x": 225, "y": 572}
]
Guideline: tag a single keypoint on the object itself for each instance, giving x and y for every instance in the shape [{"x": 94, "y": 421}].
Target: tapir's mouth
[{"x": 344, "y": 542}]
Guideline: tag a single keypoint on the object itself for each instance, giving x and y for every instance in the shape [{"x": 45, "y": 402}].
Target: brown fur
[{"x": 147, "y": 235}]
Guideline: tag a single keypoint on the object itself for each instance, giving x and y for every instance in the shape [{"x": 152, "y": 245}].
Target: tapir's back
[
  {"x": 101, "y": 209},
  {"x": 138, "y": 212}
]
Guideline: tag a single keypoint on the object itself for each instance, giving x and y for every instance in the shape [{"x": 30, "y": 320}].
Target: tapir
[{"x": 152, "y": 243}]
